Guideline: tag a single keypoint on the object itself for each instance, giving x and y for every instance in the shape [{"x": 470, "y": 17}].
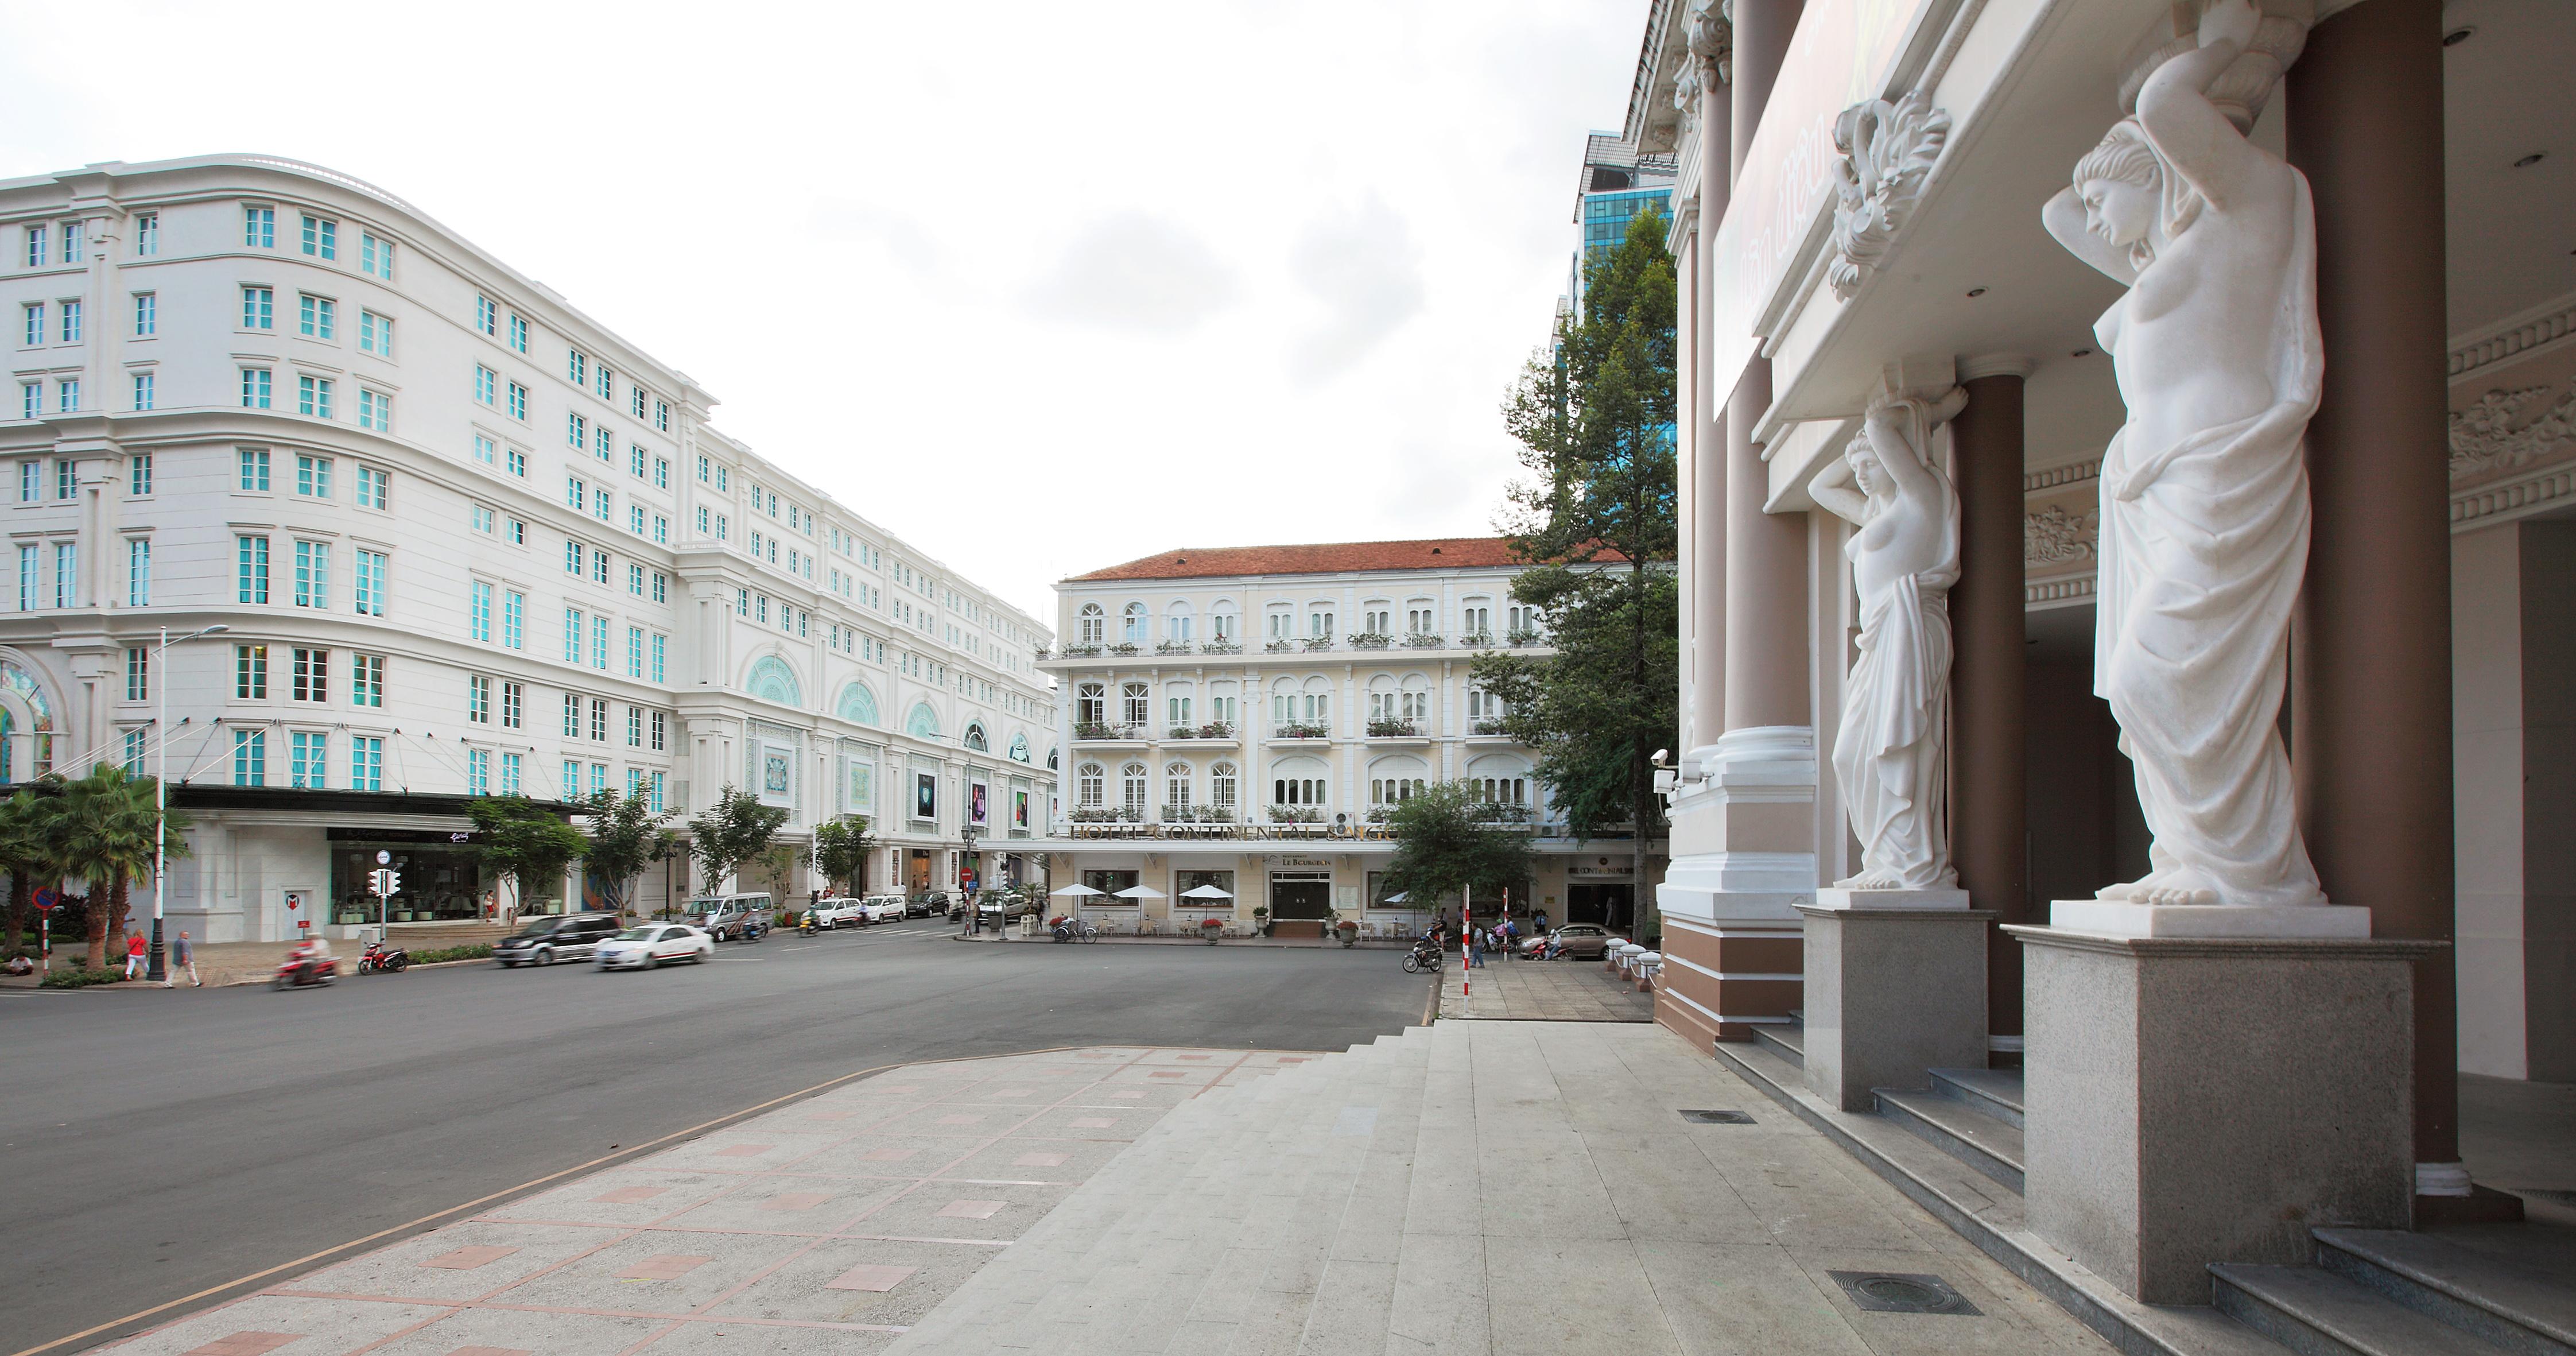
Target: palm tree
[
  {"x": 105, "y": 830},
  {"x": 27, "y": 853}
]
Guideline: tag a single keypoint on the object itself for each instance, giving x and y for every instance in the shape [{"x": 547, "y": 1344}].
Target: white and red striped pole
[{"x": 1466, "y": 928}]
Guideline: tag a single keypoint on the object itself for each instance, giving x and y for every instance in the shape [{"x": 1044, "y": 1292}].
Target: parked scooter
[
  {"x": 377, "y": 960},
  {"x": 1425, "y": 955}
]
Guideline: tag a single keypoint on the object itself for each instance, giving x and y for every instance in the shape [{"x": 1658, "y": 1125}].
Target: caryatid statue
[
  {"x": 1891, "y": 754},
  {"x": 2204, "y": 527}
]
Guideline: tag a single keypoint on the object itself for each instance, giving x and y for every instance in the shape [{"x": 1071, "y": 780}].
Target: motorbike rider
[{"x": 309, "y": 955}]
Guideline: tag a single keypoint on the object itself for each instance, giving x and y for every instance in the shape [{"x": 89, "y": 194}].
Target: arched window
[
  {"x": 857, "y": 705},
  {"x": 1091, "y": 624},
  {"x": 1414, "y": 702},
  {"x": 1091, "y": 704},
  {"x": 1221, "y": 625},
  {"x": 1087, "y": 785},
  {"x": 1221, "y": 781},
  {"x": 1421, "y": 617},
  {"x": 1484, "y": 712},
  {"x": 1381, "y": 698},
  {"x": 1133, "y": 707},
  {"x": 771, "y": 680},
  {"x": 1317, "y": 702},
  {"x": 1178, "y": 708},
  {"x": 1019, "y": 748},
  {"x": 1377, "y": 617},
  {"x": 1319, "y": 620},
  {"x": 1178, "y": 624},
  {"x": 975, "y": 737},
  {"x": 1476, "y": 617},
  {"x": 1051, "y": 762},
  {"x": 1283, "y": 704},
  {"x": 1393, "y": 780},
  {"x": 1132, "y": 629},
  {"x": 1176, "y": 787},
  {"x": 1131, "y": 789},
  {"x": 923, "y": 722}
]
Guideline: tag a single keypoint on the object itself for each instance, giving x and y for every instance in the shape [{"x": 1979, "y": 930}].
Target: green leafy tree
[
  {"x": 841, "y": 849},
  {"x": 1595, "y": 521},
  {"x": 734, "y": 831},
  {"x": 103, "y": 827},
  {"x": 1449, "y": 841},
  {"x": 30, "y": 850},
  {"x": 521, "y": 843},
  {"x": 626, "y": 835}
]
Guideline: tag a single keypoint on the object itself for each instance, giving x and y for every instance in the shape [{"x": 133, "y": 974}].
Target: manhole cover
[
  {"x": 1717, "y": 1117},
  {"x": 1890, "y": 1292}
]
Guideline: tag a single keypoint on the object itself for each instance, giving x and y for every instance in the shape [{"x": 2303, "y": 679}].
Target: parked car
[
  {"x": 839, "y": 911},
  {"x": 885, "y": 908},
  {"x": 1583, "y": 941},
  {"x": 560, "y": 937},
  {"x": 926, "y": 904},
  {"x": 722, "y": 917},
  {"x": 652, "y": 944}
]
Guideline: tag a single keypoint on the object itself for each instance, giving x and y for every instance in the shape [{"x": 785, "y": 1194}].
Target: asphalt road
[{"x": 158, "y": 1144}]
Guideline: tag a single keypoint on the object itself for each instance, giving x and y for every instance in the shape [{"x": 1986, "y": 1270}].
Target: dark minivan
[{"x": 562, "y": 937}]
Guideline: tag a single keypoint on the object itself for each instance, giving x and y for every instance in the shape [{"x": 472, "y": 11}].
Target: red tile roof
[{"x": 1200, "y": 562}]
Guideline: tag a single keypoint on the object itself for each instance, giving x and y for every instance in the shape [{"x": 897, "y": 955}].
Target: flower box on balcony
[
  {"x": 1092, "y": 729},
  {"x": 1280, "y": 647},
  {"x": 1523, "y": 636},
  {"x": 1292, "y": 730},
  {"x": 1482, "y": 640},
  {"x": 1172, "y": 647},
  {"x": 1421, "y": 641},
  {"x": 1318, "y": 644},
  {"x": 1079, "y": 651},
  {"x": 1042, "y": 652},
  {"x": 1123, "y": 647},
  {"x": 1489, "y": 727},
  {"x": 1215, "y": 729},
  {"x": 1296, "y": 814},
  {"x": 1094, "y": 814},
  {"x": 1384, "y": 728},
  {"x": 1369, "y": 640},
  {"x": 1221, "y": 647}
]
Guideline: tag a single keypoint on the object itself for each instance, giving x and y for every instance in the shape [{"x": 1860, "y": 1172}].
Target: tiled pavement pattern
[
  {"x": 824, "y": 1226},
  {"x": 1486, "y": 1187},
  {"x": 1541, "y": 991}
]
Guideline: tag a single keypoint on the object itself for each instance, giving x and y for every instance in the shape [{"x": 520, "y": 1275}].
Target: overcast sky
[{"x": 1040, "y": 287}]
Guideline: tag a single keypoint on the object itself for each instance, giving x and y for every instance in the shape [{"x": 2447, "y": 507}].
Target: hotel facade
[
  {"x": 1859, "y": 226},
  {"x": 1240, "y": 720},
  {"x": 463, "y": 541}
]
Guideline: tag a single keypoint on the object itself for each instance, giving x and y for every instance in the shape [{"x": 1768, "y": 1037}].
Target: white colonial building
[
  {"x": 1242, "y": 719},
  {"x": 463, "y": 541}
]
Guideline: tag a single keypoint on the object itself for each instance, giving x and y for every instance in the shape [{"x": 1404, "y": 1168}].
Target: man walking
[
  {"x": 134, "y": 957},
  {"x": 183, "y": 956}
]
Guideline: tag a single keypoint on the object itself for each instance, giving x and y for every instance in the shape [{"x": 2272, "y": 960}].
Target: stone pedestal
[
  {"x": 1896, "y": 984},
  {"x": 2121, "y": 918},
  {"x": 2192, "y": 1100}
]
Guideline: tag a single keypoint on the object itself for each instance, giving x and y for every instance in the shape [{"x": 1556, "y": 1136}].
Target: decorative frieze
[
  {"x": 2485, "y": 437},
  {"x": 2053, "y": 536},
  {"x": 1887, "y": 152},
  {"x": 2058, "y": 477},
  {"x": 2547, "y": 328}
]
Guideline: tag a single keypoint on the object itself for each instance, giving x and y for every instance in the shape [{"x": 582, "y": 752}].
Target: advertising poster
[
  {"x": 976, "y": 803},
  {"x": 1019, "y": 809},
  {"x": 925, "y": 795},
  {"x": 777, "y": 774},
  {"x": 863, "y": 788}
]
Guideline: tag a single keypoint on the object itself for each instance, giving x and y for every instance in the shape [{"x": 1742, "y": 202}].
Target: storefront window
[
  {"x": 1109, "y": 883},
  {"x": 440, "y": 883}
]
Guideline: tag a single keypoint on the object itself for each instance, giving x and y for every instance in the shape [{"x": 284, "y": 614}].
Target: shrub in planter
[
  {"x": 1210, "y": 927},
  {"x": 81, "y": 979},
  {"x": 477, "y": 951},
  {"x": 1348, "y": 931}
]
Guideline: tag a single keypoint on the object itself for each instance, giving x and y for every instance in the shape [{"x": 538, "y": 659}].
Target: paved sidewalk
[
  {"x": 1541, "y": 991},
  {"x": 829, "y": 1225}
]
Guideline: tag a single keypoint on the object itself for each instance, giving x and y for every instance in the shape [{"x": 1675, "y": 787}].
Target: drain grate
[
  {"x": 1890, "y": 1292},
  {"x": 1717, "y": 1118}
]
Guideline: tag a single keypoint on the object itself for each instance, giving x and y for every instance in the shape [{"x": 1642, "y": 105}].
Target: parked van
[{"x": 723, "y": 916}]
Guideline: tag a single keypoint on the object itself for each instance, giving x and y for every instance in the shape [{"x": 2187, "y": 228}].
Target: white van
[{"x": 723, "y": 916}]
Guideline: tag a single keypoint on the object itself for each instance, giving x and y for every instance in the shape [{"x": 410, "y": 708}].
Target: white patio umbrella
[
  {"x": 1397, "y": 898},
  {"x": 1140, "y": 892},
  {"x": 1205, "y": 892},
  {"x": 1077, "y": 891}
]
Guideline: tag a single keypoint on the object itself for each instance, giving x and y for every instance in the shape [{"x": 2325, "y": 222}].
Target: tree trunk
[{"x": 96, "y": 957}]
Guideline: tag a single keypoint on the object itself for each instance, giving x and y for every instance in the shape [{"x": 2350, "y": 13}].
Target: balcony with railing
[
  {"x": 1488, "y": 730},
  {"x": 1396, "y": 730},
  {"x": 1102, "y": 732},
  {"x": 1300, "y": 732},
  {"x": 1214, "y": 732}
]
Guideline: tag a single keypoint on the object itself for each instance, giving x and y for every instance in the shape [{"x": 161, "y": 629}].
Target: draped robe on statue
[
  {"x": 1888, "y": 754},
  {"x": 2203, "y": 547}
]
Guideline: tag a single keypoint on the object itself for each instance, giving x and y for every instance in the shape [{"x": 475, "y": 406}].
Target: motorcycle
[
  {"x": 300, "y": 973},
  {"x": 1425, "y": 955},
  {"x": 378, "y": 961},
  {"x": 753, "y": 930},
  {"x": 807, "y": 928}
]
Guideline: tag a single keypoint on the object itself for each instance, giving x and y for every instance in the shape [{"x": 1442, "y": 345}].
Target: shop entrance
[
  {"x": 1301, "y": 894},
  {"x": 1606, "y": 904},
  {"x": 916, "y": 871}
]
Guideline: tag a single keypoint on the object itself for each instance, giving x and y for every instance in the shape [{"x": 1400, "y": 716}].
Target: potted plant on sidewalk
[
  {"x": 1261, "y": 919},
  {"x": 1210, "y": 927},
  {"x": 1348, "y": 931}
]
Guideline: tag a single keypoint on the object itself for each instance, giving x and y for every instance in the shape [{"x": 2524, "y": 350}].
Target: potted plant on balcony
[
  {"x": 1348, "y": 931},
  {"x": 1216, "y": 729},
  {"x": 1423, "y": 640},
  {"x": 1123, "y": 647},
  {"x": 1370, "y": 640},
  {"x": 1522, "y": 635},
  {"x": 1220, "y": 647},
  {"x": 1318, "y": 644},
  {"x": 1279, "y": 647},
  {"x": 1390, "y": 727},
  {"x": 1210, "y": 928}
]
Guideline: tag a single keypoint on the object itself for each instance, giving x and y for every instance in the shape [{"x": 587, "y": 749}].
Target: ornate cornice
[
  {"x": 2059, "y": 477},
  {"x": 2484, "y": 438},
  {"x": 2515, "y": 338},
  {"x": 2514, "y": 497},
  {"x": 1888, "y": 150},
  {"x": 2064, "y": 589}
]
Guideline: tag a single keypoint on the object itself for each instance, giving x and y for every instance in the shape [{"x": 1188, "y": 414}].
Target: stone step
[
  {"x": 1986, "y": 1143},
  {"x": 2317, "y": 1313},
  {"x": 1996, "y": 1092},
  {"x": 2511, "y": 1284},
  {"x": 1788, "y": 1039}
]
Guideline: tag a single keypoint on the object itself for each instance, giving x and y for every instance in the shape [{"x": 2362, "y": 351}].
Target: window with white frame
[
  {"x": 1281, "y": 622},
  {"x": 1476, "y": 618},
  {"x": 1088, "y": 785},
  {"x": 1178, "y": 625},
  {"x": 1134, "y": 708},
  {"x": 147, "y": 314},
  {"x": 1131, "y": 790},
  {"x": 1374, "y": 619},
  {"x": 316, "y": 317},
  {"x": 1091, "y": 624},
  {"x": 1319, "y": 621},
  {"x": 1421, "y": 618},
  {"x": 1132, "y": 624},
  {"x": 1221, "y": 786},
  {"x": 1176, "y": 788}
]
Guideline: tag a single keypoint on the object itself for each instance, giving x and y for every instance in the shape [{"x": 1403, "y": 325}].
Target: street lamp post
[{"x": 161, "y": 792}]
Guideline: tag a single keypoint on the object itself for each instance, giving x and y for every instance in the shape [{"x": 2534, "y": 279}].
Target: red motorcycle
[
  {"x": 300, "y": 972},
  {"x": 379, "y": 961}
]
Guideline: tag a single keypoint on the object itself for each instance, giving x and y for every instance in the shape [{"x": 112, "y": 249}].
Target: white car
[
  {"x": 642, "y": 948},
  {"x": 838, "y": 912},
  {"x": 883, "y": 908}
]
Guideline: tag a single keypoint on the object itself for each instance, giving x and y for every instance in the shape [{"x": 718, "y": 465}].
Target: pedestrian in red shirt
[{"x": 134, "y": 965}]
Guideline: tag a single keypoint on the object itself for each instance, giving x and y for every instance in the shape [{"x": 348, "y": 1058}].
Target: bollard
[{"x": 1648, "y": 965}]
